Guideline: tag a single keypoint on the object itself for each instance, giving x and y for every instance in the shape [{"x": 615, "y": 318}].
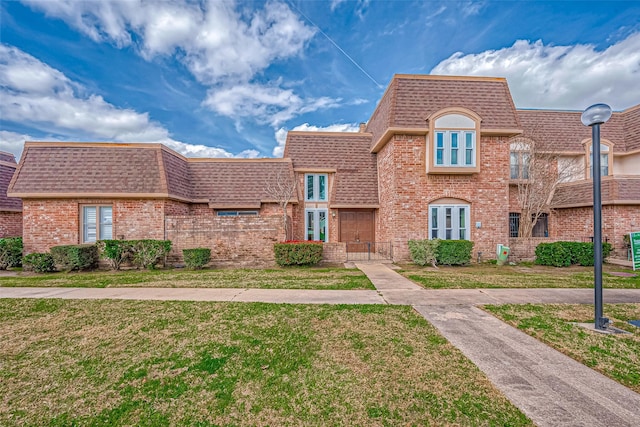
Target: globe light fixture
[{"x": 594, "y": 116}]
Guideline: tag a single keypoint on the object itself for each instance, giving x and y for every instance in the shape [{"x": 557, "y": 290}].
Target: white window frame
[
  {"x": 100, "y": 223},
  {"x": 454, "y": 145},
  {"x": 315, "y": 197},
  {"x": 522, "y": 163},
  {"x": 316, "y": 216},
  {"x": 440, "y": 225}
]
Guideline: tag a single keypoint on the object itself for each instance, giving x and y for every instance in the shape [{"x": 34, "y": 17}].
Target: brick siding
[
  {"x": 10, "y": 224},
  {"x": 237, "y": 241}
]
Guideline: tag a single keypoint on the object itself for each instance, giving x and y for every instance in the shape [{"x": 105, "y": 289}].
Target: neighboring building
[
  {"x": 440, "y": 157},
  {"x": 10, "y": 207}
]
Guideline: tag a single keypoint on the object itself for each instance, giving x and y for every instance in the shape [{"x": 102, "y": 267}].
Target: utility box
[{"x": 503, "y": 254}]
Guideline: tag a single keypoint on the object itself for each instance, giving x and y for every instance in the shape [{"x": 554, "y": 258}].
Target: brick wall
[
  {"x": 10, "y": 224},
  {"x": 406, "y": 191},
  {"x": 48, "y": 223},
  {"x": 334, "y": 252},
  {"x": 237, "y": 241}
]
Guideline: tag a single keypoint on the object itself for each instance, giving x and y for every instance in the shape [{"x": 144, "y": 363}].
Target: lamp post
[{"x": 594, "y": 116}]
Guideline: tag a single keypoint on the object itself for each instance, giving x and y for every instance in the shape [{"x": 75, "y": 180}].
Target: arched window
[
  {"x": 454, "y": 141},
  {"x": 449, "y": 220}
]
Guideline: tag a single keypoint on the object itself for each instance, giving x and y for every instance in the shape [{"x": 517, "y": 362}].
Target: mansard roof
[
  {"x": 59, "y": 170},
  {"x": 411, "y": 99}
]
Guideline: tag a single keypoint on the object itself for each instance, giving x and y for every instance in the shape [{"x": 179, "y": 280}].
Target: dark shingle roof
[
  {"x": 7, "y": 168},
  {"x": 142, "y": 170},
  {"x": 564, "y": 131},
  {"x": 632, "y": 128},
  {"x": 356, "y": 179},
  {"x": 410, "y": 99}
]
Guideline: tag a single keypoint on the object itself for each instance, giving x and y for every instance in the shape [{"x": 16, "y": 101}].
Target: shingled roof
[
  {"x": 102, "y": 170},
  {"x": 632, "y": 128},
  {"x": 7, "y": 169},
  {"x": 410, "y": 99},
  {"x": 348, "y": 153},
  {"x": 565, "y": 132}
]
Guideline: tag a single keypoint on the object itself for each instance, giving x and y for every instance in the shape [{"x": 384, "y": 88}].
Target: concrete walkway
[{"x": 550, "y": 388}]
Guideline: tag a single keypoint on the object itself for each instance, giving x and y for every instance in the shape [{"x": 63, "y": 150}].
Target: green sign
[{"x": 635, "y": 249}]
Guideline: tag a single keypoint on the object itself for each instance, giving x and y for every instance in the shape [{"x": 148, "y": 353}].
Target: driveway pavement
[{"x": 549, "y": 387}]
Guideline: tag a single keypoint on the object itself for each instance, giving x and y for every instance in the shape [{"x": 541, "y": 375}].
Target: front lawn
[
  {"x": 518, "y": 276},
  {"x": 277, "y": 278},
  {"x": 110, "y": 363},
  {"x": 616, "y": 356}
]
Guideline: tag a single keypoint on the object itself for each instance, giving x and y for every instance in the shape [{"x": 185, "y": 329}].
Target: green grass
[
  {"x": 104, "y": 363},
  {"x": 277, "y": 278},
  {"x": 519, "y": 276},
  {"x": 616, "y": 356}
]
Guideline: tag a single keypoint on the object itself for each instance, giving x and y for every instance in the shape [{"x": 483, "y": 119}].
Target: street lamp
[{"x": 594, "y": 116}]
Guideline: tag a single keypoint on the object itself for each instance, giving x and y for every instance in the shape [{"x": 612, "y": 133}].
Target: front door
[{"x": 357, "y": 226}]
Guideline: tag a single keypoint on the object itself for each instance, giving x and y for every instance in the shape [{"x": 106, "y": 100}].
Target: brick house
[
  {"x": 10, "y": 207},
  {"x": 440, "y": 157}
]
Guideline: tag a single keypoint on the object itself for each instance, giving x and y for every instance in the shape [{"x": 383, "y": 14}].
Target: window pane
[
  {"x": 468, "y": 157},
  {"x": 468, "y": 137},
  {"x": 434, "y": 217},
  {"x": 322, "y": 194},
  {"x": 463, "y": 234},
  {"x": 310, "y": 225},
  {"x": 440, "y": 140},
  {"x": 309, "y": 187},
  {"x": 604, "y": 164},
  {"x": 463, "y": 218},
  {"x": 448, "y": 235},
  {"x": 322, "y": 222},
  {"x": 448, "y": 217},
  {"x": 514, "y": 224},
  {"x": 454, "y": 140},
  {"x": 515, "y": 167},
  {"x": 468, "y": 143},
  {"x": 106, "y": 223},
  {"x": 525, "y": 165},
  {"x": 454, "y": 156},
  {"x": 439, "y": 156},
  {"x": 89, "y": 224}
]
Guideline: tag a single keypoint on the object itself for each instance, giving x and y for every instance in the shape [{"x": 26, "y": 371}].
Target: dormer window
[{"x": 454, "y": 142}]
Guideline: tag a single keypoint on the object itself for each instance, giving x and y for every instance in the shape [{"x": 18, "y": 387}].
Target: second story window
[
  {"x": 604, "y": 160},
  {"x": 315, "y": 188},
  {"x": 519, "y": 165},
  {"x": 455, "y": 148}
]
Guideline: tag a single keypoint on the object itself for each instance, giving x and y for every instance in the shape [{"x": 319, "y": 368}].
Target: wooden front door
[{"x": 357, "y": 226}]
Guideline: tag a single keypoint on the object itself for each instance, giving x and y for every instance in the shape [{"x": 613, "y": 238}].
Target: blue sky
[{"x": 229, "y": 79}]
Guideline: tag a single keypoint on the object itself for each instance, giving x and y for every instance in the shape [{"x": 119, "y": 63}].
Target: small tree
[
  {"x": 282, "y": 188},
  {"x": 539, "y": 171}
]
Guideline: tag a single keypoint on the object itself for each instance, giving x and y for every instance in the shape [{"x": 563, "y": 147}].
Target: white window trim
[
  {"x": 316, "y": 221},
  {"x": 316, "y": 187},
  {"x": 99, "y": 224},
  {"x": 455, "y": 221},
  {"x": 448, "y": 149},
  {"x": 605, "y": 150}
]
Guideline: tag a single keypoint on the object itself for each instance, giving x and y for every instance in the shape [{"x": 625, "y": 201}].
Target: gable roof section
[
  {"x": 410, "y": 99},
  {"x": 348, "y": 153},
  {"x": 106, "y": 170},
  {"x": 236, "y": 183},
  {"x": 564, "y": 131},
  {"x": 7, "y": 169}
]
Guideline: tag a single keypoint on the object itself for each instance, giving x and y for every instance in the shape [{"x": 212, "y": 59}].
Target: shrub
[
  {"x": 423, "y": 252},
  {"x": 39, "y": 262},
  {"x": 196, "y": 258},
  {"x": 75, "y": 257},
  {"x": 298, "y": 253},
  {"x": 564, "y": 254},
  {"x": 147, "y": 253},
  {"x": 454, "y": 252},
  {"x": 115, "y": 252},
  {"x": 10, "y": 252}
]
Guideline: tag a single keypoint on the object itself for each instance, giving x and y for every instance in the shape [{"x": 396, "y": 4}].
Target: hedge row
[
  {"x": 564, "y": 254},
  {"x": 197, "y": 258},
  {"x": 298, "y": 253},
  {"x": 443, "y": 252},
  {"x": 141, "y": 253}
]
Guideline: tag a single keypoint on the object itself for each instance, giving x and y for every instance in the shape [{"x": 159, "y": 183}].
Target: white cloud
[
  {"x": 266, "y": 104},
  {"x": 55, "y": 105},
  {"x": 13, "y": 142},
  {"x": 562, "y": 77},
  {"x": 281, "y": 134},
  {"x": 221, "y": 43}
]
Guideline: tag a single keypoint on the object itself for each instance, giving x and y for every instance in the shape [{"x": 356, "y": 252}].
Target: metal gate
[{"x": 369, "y": 251}]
